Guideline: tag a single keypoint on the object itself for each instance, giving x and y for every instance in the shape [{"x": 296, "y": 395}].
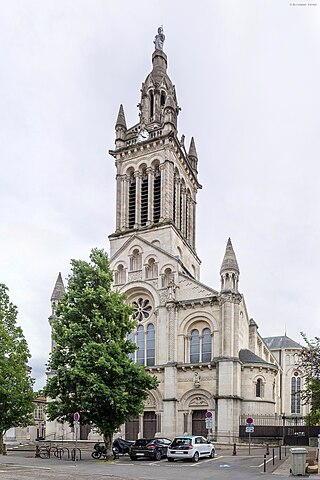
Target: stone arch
[
  {"x": 154, "y": 401},
  {"x": 197, "y": 399},
  {"x": 195, "y": 317},
  {"x": 140, "y": 288}
]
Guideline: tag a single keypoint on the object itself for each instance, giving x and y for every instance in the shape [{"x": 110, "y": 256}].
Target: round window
[{"x": 142, "y": 309}]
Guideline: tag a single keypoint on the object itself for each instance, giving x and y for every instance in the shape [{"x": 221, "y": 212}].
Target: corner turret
[{"x": 229, "y": 270}]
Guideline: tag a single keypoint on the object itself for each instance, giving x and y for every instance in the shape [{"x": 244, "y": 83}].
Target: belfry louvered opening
[
  {"x": 144, "y": 199},
  {"x": 132, "y": 201},
  {"x": 157, "y": 195}
]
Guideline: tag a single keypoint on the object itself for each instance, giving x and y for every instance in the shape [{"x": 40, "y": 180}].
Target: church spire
[
  {"x": 121, "y": 128},
  {"x": 229, "y": 270},
  {"x": 58, "y": 290},
  {"x": 121, "y": 119},
  {"x": 192, "y": 155}
]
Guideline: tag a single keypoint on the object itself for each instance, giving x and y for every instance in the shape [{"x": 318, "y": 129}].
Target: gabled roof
[
  {"x": 276, "y": 343},
  {"x": 246, "y": 356}
]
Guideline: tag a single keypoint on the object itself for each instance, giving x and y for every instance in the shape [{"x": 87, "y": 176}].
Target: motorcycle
[{"x": 119, "y": 447}]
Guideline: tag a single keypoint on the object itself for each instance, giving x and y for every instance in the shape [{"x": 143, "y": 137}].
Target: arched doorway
[{"x": 198, "y": 423}]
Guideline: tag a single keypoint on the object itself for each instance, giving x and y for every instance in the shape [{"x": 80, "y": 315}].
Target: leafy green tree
[
  {"x": 93, "y": 374},
  {"x": 16, "y": 395},
  {"x": 310, "y": 359}
]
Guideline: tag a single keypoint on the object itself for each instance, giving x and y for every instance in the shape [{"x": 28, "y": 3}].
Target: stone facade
[{"x": 199, "y": 342}]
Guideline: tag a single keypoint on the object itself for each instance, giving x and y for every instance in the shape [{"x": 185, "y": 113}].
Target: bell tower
[{"x": 157, "y": 179}]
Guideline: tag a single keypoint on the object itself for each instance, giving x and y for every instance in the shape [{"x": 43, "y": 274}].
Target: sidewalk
[{"x": 284, "y": 467}]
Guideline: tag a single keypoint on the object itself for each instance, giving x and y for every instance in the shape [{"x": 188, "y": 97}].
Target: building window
[
  {"x": 145, "y": 341},
  {"x": 142, "y": 309},
  {"x": 144, "y": 199},
  {"x": 200, "y": 346},
  {"x": 167, "y": 277},
  {"x": 135, "y": 260},
  {"x": 157, "y": 195},
  {"x": 259, "y": 388},
  {"x": 151, "y": 269},
  {"x": 132, "y": 201},
  {"x": 119, "y": 275},
  {"x": 295, "y": 393}
]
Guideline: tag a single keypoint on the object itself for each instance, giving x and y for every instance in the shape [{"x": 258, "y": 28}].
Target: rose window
[{"x": 142, "y": 309}]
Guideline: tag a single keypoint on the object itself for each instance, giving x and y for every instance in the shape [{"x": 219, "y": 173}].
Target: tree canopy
[
  {"x": 92, "y": 371},
  {"x": 310, "y": 359},
  {"x": 16, "y": 394}
]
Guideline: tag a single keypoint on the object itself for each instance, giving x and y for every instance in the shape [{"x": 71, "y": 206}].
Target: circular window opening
[{"x": 142, "y": 309}]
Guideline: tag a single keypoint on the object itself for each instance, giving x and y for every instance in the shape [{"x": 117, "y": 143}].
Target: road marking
[
  {"x": 261, "y": 464},
  {"x": 13, "y": 465}
]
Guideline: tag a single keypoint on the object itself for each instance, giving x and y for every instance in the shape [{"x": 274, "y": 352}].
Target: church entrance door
[
  {"x": 149, "y": 424},
  {"x": 198, "y": 423},
  {"x": 132, "y": 429}
]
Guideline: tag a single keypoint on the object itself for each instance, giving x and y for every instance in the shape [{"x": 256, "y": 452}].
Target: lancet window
[
  {"x": 144, "y": 198},
  {"x": 157, "y": 195},
  {"x": 200, "y": 346},
  {"x": 295, "y": 393},
  {"x": 132, "y": 201}
]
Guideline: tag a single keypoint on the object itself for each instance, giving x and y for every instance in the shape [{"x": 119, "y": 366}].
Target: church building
[{"x": 199, "y": 341}]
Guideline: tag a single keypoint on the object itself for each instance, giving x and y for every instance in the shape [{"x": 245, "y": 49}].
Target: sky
[{"x": 247, "y": 77}]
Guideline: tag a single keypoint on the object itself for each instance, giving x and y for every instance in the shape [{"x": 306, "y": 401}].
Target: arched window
[
  {"x": 135, "y": 260},
  {"x": 259, "y": 388},
  {"x": 157, "y": 195},
  {"x": 150, "y": 360},
  {"x": 145, "y": 341},
  {"x": 200, "y": 346},
  {"x": 195, "y": 346},
  {"x": 132, "y": 201},
  {"x": 140, "y": 344},
  {"x": 151, "y": 105},
  {"x": 151, "y": 269},
  {"x": 120, "y": 275},
  {"x": 144, "y": 198},
  {"x": 162, "y": 99},
  {"x": 167, "y": 277},
  {"x": 295, "y": 393},
  {"x": 206, "y": 345}
]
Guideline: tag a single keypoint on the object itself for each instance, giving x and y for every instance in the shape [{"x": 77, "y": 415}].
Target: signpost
[
  {"x": 249, "y": 430},
  {"x": 76, "y": 418},
  {"x": 209, "y": 423}
]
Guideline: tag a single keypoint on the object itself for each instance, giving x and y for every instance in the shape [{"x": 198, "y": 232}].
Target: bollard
[
  {"x": 37, "y": 455},
  {"x": 280, "y": 452},
  {"x": 285, "y": 450},
  {"x": 234, "y": 449},
  {"x": 273, "y": 456},
  {"x": 264, "y": 463},
  {"x": 4, "y": 449},
  {"x": 267, "y": 451}
]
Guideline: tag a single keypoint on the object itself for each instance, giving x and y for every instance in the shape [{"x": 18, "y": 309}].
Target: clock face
[{"x": 143, "y": 135}]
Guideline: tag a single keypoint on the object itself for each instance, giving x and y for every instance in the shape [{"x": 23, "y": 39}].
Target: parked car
[
  {"x": 190, "y": 447},
  {"x": 154, "y": 448}
]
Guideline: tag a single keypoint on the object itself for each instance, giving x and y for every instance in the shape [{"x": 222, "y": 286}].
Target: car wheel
[
  {"x": 212, "y": 453},
  {"x": 133, "y": 458},
  {"x": 157, "y": 455},
  {"x": 195, "y": 457},
  {"x": 170, "y": 459}
]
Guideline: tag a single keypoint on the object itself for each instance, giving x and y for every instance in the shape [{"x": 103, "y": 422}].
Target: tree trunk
[
  {"x": 107, "y": 437},
  {"x": 1, "y": 442}
]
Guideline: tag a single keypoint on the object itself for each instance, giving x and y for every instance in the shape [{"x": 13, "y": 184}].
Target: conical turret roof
[
  {"x": 229, "y": 261},
  {"x": 58, "y": 290},
  {"x": 192, "y": 149},
  {"x": 121, "y": 119}
]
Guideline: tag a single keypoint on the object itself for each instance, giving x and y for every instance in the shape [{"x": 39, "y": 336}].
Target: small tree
[
  {"x": 16, "y": 395},
  {"x": 310, "y": 359},
  {"x": 93, "y": 372}
]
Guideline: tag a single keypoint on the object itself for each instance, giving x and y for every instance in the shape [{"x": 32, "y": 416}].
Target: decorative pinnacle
[
  {"x": 58, "y": 290},
  {"x": 229, "y": 261},
  {"x": 192, "y": 149},
  {"x": 121, "y": 119}
]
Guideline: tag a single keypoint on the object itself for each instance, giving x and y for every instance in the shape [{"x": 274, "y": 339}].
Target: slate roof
[
  {"x": 276, "y": 343},
  {"x": 246, "y": 356}
]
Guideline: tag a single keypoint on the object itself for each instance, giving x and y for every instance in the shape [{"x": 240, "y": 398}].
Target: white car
[{"x": 191, "y": 447}]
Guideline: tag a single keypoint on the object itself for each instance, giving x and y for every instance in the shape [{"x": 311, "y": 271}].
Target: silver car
[{"x": 190, "y": 447}]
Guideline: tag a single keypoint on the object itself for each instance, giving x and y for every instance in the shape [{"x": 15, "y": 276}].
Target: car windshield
[
  {"x": 181, "y": 442},
  {"x": 142, "y": 442}
]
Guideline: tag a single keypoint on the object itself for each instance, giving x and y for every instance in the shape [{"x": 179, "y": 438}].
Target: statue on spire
[{"x": 159, "y": 39}]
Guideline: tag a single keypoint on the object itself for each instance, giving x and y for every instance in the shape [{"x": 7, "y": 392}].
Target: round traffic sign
[
  {"x": 209, "y": 415},
  {"x": 76, "y": 417},
  {"x": 249, "y": 420}
]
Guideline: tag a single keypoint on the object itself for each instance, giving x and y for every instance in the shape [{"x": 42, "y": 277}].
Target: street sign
[
  {"x": 76, "y": 417},
  {"x": 209, "y": 423},
  {"x": 249, "y": 428},
  {"x": 249, "y": 420},
  {"x": 209, "y": 415}
]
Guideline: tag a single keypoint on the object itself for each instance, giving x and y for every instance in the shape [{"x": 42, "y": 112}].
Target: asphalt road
[{"x": 225, "y": 466}]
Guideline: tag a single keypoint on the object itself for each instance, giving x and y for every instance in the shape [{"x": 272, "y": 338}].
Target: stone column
[
  {"x": 177, "y": 201},
  {"x": 183, "y": 212}
]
